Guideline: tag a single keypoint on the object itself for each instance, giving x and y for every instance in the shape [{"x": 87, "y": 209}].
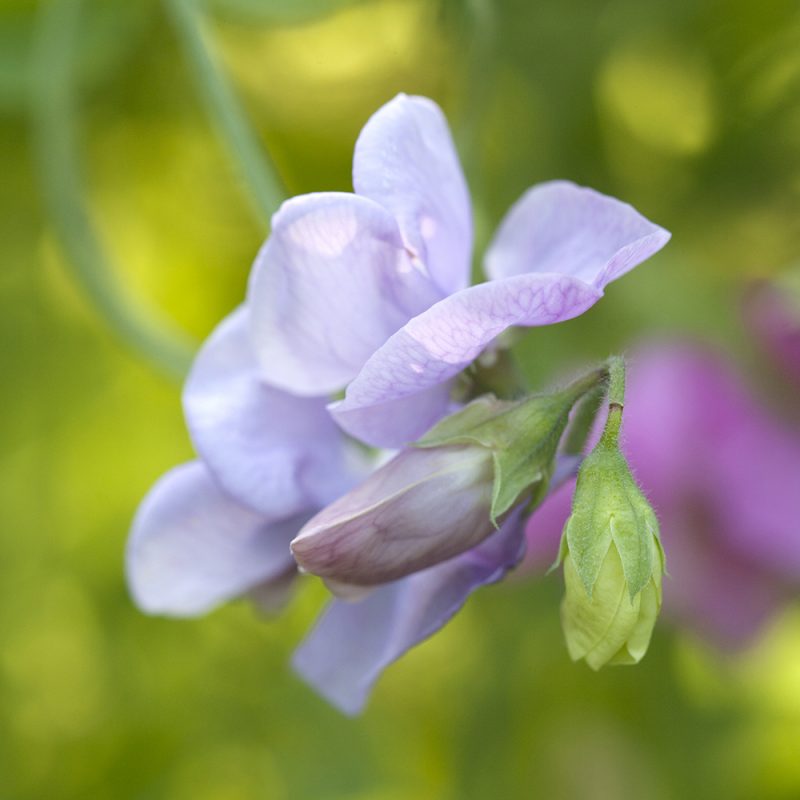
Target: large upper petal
[
  {"x": 332, "y": 283},
  {"x": 401, "y": 391},
  {"x": 568, "y": 229},
  {"x": 193, "y": 547},
  {"x": 406, "y": 161},
  {"x": 272, "y": 451},
  {"x": 353, "y": 642}
]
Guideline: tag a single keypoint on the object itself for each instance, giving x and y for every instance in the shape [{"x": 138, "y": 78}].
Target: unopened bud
[
  {"x": 420, "y": 508},
  {"x": 613, "y": 561},
  {"x": 442, "y": 496}
]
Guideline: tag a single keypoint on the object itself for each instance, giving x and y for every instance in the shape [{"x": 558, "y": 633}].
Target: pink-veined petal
[{"x": 436, "y": 345}]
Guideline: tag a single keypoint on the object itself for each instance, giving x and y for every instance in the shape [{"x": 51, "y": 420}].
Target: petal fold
[
  {"x": 331, "y": 284},
  {"x": 406, "y": 161},
  {"x": 571, "y": 230},
  {"x": 437, "y": 344},
  {"x": 192, "y": 547},
  {"x": 353, "y": 643}
]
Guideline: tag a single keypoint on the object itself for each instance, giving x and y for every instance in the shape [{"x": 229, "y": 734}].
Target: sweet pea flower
[
  {"x": 367, "y": 292},
  {"x": 722, "y": 475},
  {"x": 366, "y": 295}
]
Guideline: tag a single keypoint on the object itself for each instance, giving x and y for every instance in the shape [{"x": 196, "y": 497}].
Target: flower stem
[
  {"x": 57, "y": 154},
  {"x": 616, "y": 399},
  {"x": 248, "y": 154}
]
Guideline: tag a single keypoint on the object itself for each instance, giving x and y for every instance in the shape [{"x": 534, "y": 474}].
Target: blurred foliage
[{"x": 687, "y": 110}]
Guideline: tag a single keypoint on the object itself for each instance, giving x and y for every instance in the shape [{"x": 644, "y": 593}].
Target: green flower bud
[
  {"x": 613, "y": 561},
  {"x": 608, "y": 627}
]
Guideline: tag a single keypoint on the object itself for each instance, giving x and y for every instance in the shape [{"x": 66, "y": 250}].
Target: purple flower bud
[{"x": 422, "y": 507}]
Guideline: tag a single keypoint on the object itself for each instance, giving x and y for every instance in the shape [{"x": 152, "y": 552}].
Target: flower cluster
[{"x": 365, "y": 296}]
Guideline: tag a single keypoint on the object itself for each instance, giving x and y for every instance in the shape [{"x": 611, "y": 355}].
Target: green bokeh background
[{"x": 688, "y": 110}]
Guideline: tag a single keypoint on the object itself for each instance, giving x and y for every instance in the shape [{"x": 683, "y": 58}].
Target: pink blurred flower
[{"x": 772, "y": 312}]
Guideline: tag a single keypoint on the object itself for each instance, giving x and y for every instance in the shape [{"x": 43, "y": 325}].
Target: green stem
[
  {"x": 616, "y": 399},
  {"x": 246, "y": 151},
  {"x": 57, "y": 155}
]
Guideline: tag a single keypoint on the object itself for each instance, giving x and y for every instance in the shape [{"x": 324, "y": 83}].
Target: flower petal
[
  {"x": 331, "y": 284},
  {"x": 192, "y": 547},
  {"x": 571, "y": 230},
  {"x": 406, "y": 161},
  {"x": 354, "y": 642},
  {"x": 274, "y": 452},
  {"x": 436, "y": 345}
]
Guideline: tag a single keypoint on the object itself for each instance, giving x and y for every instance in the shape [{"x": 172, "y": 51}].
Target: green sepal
[
  {"x": 609, "y": 507},
  {"x": 523, "y": 436}
]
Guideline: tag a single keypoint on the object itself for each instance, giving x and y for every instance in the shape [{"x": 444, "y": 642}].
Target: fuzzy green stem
[{"x": 616, "y": 399}]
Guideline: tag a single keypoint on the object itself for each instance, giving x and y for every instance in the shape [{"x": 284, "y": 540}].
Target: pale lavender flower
[
  {"x": 367, "y": 291},
  {"x": 366, "y": 294},
  {"x": 722, "y": 475}
]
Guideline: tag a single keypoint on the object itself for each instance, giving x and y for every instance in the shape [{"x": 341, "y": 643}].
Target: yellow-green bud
[
  {"x": 608, "y": 627},
  {"x": 613, "y": 561}
]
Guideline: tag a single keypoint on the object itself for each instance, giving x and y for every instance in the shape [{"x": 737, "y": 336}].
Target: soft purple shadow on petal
[
  {"x": 272, "y": 451},
  {"x": 271, "y": 596},
  {"x": 395, "y": 422},
  {"x": 192, "y": 547},
  {"x": 354, "y": 642},
  {"x": 571, "y": 230},
  {"x": 405, "y": 160},
  {"x": 436, "y": 345},
  {"x": 331, "y": 284}
]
